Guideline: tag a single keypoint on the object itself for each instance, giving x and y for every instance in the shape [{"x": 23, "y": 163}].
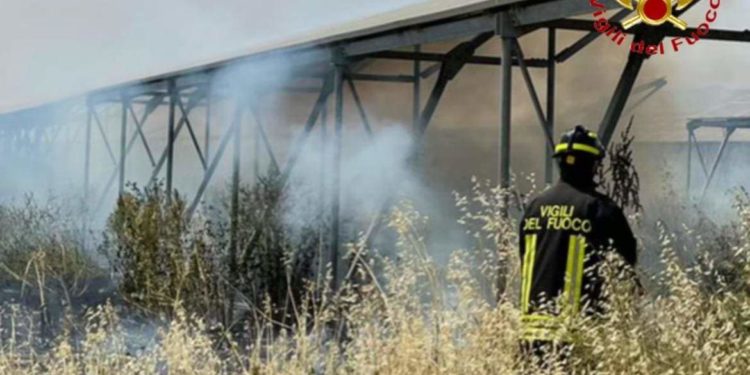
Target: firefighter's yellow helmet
[{"x": 579, "y": 141}]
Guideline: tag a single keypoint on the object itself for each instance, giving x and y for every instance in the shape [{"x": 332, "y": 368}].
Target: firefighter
[{"x": 565, "y": 231}]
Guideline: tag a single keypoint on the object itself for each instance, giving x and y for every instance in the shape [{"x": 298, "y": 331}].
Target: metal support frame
[
  {"x": 505, "y": 30},
  {"x": 229, "y": 133},
  {"x": 139, "y": 132},
  {"x": 722, "y": 35},
  {"x": 309, "y": 125},
  {"x": 322, "y": 229},
  {"x": 261, "y": 132},
  {"x": 620, "y": 97},
  {"x": 439, "y": 57},
  {"x": 551, "y": 74},
  {"x": 582, "y": 43},
  {"x": 191, "y": 132},
  {"x": 338, "y": 83},
  {"x": 727, "y": 133},
  {"x": 728, "y": 126},
  {"x": 360, "y": 106},
  {"x": 234, "y": 221},
  {"x": 541, "y": 116},
  {"x": 123, "y": 141},
  {"x": 171, "y": 135},
  {"x": 454, "y": 61},
  {"x": 193, "y": 101},
  {"x": 416, "y": 88}
]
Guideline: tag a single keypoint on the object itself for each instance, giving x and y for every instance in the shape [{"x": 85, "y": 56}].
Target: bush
[{"x": 159, "y": 257}]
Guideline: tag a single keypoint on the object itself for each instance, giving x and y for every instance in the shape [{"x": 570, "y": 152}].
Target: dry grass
[
  {"x": 418, "y": 318},
  {"x": 42, "y": 239}
]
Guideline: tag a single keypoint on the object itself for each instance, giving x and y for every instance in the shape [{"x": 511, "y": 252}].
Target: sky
[
  {"x": 52, "y": 49},
  {"x": 56, "y": 49}
]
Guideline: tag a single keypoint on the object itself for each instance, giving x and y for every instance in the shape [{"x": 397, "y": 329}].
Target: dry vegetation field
[{"x": 263, "y": 309}]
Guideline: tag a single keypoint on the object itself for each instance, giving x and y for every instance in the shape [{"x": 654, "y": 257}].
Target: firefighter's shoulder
[{"x": 606, "y": 206}]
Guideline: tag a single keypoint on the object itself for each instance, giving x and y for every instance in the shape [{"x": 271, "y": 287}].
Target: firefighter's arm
[
  {"x": 623, "y": 237},
  {"x": 617, "y": 230},
  {"x": 626, "y": 246},
  {"x": 624, "y": 242}
]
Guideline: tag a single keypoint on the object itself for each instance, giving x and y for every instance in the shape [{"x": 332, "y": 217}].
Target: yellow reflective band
[
  {"x": 528, "y": 270},
  {"x": 579, "y": 272},
  {"x": 544, "y": 334},
  {"x": 540, "y": 321},
  {"x": 568, "y": 288},
  {"x": 574, "y": 273},
  {"x": 578, "y": 147},
  {"x": 539, "y": 334},
  {"x": 529, "y": 318},
  {"x": 525, "y": 271},
  {"x": 543, "y": 327}
]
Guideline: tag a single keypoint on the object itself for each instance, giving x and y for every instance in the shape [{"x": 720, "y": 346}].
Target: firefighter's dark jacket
[{"x": 564, "y": 235}]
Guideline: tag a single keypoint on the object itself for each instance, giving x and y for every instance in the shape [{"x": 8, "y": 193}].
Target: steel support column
[
  {"x": 173, "y": 98},
  {"x": 620, "y": 96},
  {"x": 336, "y": 175},
  {"x": 505, "y": 110},
  {"x": 322, "y": 234},
  {"x": 416, "y": 89},
  {"x": 551, "y": 67},
  {"x": 234, "y": 219},
  {"x": 123, "y": 145}
]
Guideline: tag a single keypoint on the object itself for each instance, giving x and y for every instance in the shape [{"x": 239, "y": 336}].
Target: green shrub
[{"x": 159, "y": 257}]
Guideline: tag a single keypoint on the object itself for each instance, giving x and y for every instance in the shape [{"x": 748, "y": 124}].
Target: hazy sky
[
  {"x": 57, "y": 48},
  {"x": 51, "y": 49}
]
